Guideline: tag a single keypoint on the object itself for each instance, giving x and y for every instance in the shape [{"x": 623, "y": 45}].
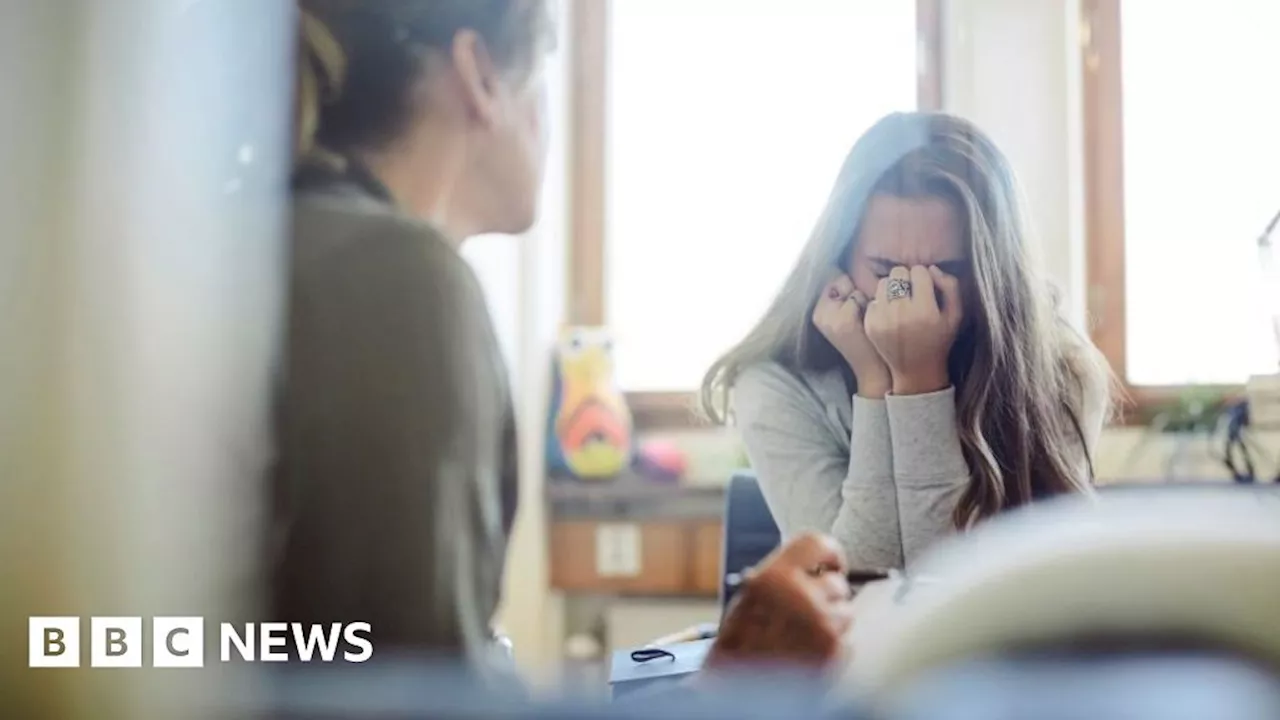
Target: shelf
[{"x": 631, "y": 497}]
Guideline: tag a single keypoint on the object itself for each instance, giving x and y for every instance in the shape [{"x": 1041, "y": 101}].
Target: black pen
[
  {"x": 856, "y": 578},
  {"x": 862, "y": 577}
]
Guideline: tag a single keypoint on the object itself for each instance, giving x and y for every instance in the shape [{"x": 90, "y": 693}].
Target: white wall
[{"x": 1012, "y": 66}]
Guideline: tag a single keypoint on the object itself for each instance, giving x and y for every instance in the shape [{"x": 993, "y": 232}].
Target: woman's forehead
[{"x": 911, "y": 231}]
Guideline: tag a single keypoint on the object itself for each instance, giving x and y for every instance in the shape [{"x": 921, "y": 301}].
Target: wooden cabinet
[
  {"x": 708, "y": 557},
  {"x": 672, "y": 558},
  {"x": 622, "y": 557}
]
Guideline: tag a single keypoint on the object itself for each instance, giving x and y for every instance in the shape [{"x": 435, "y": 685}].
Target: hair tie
[{"x": 644, "y": 655}]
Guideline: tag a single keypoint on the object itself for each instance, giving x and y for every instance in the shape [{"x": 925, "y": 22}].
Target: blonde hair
[
  {"x": 1020, "y": 371},
  {"x": 322, "y": 67}
]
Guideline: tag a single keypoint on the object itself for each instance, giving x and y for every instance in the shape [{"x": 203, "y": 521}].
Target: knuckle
[
  {"x": 836, "y": 584},
  {"x": 842, "y": 621}
]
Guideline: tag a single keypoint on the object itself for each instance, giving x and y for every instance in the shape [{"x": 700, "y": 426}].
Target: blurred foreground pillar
[{"x": 143, "y": 156}]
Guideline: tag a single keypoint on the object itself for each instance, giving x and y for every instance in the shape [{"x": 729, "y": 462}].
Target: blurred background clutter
[{"x": 143, "y": 164}]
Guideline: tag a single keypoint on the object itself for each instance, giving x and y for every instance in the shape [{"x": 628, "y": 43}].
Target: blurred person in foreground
[{"x": 420, "y": 124}]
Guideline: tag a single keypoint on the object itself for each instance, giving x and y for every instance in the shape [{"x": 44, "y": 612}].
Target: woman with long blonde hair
[{"x": 913, "y": 376}]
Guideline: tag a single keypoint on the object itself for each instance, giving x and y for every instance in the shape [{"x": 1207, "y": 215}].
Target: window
[
  {"x": 722, "y": 125},
  {"x": 1183, "y": 104}
]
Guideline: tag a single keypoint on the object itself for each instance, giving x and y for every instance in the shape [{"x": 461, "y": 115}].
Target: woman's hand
[
  {"x": 838, "y": 315},
  {"x": 794, "y": 608},
  {"x": 911, "y": 332}
]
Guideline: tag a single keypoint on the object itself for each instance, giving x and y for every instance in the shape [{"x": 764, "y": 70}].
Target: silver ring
[{"x": 899, "y": 288}]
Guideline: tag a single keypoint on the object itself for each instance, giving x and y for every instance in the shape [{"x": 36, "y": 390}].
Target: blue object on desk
[{"x": 636, "y": 669}]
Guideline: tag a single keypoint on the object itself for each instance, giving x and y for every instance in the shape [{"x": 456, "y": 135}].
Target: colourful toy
[{"x": 589, "y": 432}]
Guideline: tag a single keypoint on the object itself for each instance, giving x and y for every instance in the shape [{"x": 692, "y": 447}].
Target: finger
[
  {"x": 949, "y": 286},
  {"x": 839, "y": 288},
  {"x": 841, "y": 617},
  {"x": 922, "y": 285},
  {"x": 882, "y": 292},
  {"x": 854, "y": 310},
  {"x": 819, "y": 316},
  {"x": 812, "y": 550},
  {"x": 871, "y": 311},
  {"x": 832, "y": 298},
  {"x": 845, "y": 285},
  {"x": 851, "y": 309},
  {"x": 834, "y": 586},
  {"x": 860, "y": 298}
]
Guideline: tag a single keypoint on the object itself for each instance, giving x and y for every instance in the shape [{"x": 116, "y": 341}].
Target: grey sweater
[{"x": 882, "y": 476}]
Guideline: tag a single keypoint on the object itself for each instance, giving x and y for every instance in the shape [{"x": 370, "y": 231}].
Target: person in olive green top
[{"x": 420, "y": 124}]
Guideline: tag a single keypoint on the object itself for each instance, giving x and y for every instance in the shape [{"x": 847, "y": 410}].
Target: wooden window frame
[
  {"x": 588, "y": 56},
  {"x": 1103, "y": 105}
]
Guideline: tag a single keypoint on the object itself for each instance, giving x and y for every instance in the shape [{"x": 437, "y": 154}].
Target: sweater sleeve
[
  {"x": 930, "y": 472},
  {"x": 809, "y": 481}
]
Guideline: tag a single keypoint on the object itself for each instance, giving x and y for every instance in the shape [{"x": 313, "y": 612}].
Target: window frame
[
  {"x": 1101, "y": 60},
  {"x": 588, "y": 93}
]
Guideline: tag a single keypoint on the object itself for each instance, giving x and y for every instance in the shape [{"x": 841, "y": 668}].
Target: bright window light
[
  {"x": 727, "y": 124},
  {"x": 1201, "y": 180}
]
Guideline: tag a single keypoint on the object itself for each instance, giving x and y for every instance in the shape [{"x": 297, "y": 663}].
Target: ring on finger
[{"x": 898, "y": 288}]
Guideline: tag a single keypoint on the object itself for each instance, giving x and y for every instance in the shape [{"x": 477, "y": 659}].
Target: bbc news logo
[{"x": 178, "y": 642}]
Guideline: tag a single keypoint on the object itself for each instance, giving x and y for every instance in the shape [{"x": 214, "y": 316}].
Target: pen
[
  {"x": 862, "y": 577},
  {"x": 856, "y": 578}
]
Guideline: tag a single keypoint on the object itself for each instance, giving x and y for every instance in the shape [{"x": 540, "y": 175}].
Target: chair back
[{"x": 750, "y": 532}]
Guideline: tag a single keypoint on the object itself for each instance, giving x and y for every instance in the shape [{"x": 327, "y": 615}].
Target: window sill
[{"x": 1175, "y": 407}]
